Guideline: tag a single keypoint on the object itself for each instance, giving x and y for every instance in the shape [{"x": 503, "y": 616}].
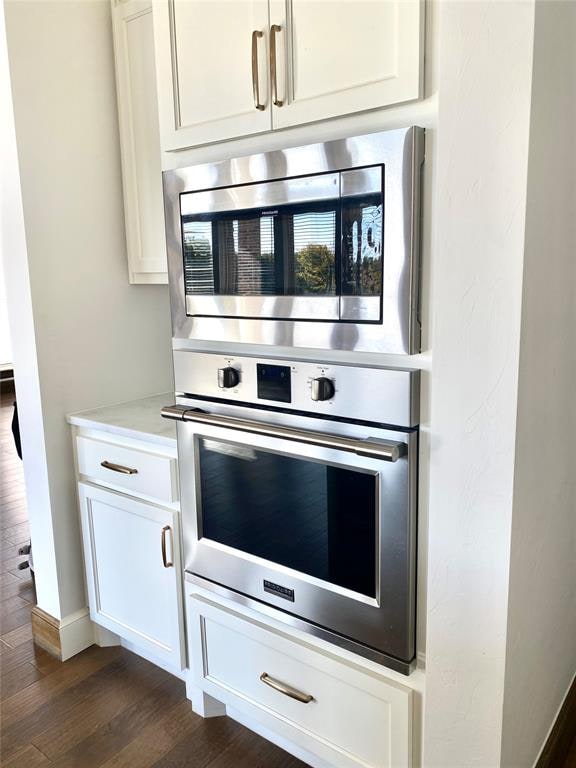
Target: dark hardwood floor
[{"x": 105, "y": 707}]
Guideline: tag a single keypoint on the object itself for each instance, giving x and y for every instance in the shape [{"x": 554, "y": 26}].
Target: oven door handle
[{"x": 385, "y": 450}]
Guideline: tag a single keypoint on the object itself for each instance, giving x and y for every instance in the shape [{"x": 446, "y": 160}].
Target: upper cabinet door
[
  {"x": 139, "y": 140},
  {"x": 212, "y": 64},
  {"x": 335, "y": 57}
]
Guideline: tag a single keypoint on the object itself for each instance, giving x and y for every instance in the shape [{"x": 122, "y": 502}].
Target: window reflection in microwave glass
[{"x": 362, "y": 249}]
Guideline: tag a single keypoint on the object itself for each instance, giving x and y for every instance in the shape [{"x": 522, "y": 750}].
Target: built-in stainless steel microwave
[{"x": 315, "y": 246}]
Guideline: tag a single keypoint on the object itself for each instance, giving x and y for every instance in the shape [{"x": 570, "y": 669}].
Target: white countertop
[{"x": 139, "y": 419}]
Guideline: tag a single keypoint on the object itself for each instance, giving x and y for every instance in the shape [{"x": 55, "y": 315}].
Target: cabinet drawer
[
  {"x": 139, "y": 472},
  {"x": 353, "y": 718}
]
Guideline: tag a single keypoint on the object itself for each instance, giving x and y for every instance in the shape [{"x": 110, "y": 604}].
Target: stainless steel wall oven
[
  {"x": 315, "y": 246},
  {"x": 298, "y": 486}
]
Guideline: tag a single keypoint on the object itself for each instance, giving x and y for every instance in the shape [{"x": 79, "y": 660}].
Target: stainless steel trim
[
  {"x": 273, "y": 73},
  {"x": 287, "y": 690},
  {"x": 360, "y": 308},
  {"x": 405, "y": 668},
  {"x": 119, "y": 468},
  {"x": 165, "y": 530},
  {"x": 361, "y": 181},
  {"x": 386, "y": 451},
  {"x": 293, "y": 307},
  {"x": 256, "y": 34},
  {"x": 266, "y": 195},
  {"x": 401, "y": 152}
]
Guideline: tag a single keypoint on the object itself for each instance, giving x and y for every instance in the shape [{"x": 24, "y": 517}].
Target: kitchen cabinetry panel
[
  {"x": 347, "y": 717},
  {"x": 340, "y": 57},
  {"x": 138, "y": 472},
  {"x": 139, "y": 140},
  {"x": 315, "y": 59},
  {"x": 205, "y": 59},
  {"x": 133, "y": 569}
]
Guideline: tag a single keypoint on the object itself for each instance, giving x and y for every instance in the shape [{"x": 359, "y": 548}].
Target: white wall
[
  {"x": 541, "y": 642},
  {"x": 5, "y": 341},
  {"x": 484, "y": 80},
  {"x": 15, "y": 264},
  {"x": 98, "y": 339}
]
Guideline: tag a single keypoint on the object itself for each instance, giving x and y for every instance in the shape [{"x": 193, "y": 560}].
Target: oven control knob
[
  {"x": 322, "y": 388},
  {"x": 228, "y": 377}
]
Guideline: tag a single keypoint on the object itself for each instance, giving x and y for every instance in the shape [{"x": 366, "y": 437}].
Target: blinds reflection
[{"x": 198, "y": 260}]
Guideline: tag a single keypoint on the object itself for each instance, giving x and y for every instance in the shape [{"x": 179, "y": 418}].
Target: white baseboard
[{"x": 76, "y": 633}]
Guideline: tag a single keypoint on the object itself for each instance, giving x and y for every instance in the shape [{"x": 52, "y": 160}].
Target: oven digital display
[{"x": 274, "y": 383}]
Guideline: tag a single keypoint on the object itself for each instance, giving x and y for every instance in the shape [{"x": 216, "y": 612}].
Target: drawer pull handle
[
  {"x": 167, "y": 563},
  {"x": 273, "y": 73},
  {"x": 287, "y": 690},
  {"x": 255, "y": 82},
  {"x": 118, "y": 468}
]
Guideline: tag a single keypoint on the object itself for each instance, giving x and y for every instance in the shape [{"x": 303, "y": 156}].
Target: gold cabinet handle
[
  {"x": 273, "y": 30},
  {"x": 167, "y": 563},
  {"x": 287, "y": 690},
  {"x": 255, "y": 80},
  {"x": 118, "y": 468}
]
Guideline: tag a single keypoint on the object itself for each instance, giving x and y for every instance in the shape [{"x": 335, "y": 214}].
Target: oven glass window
[
  {"x": 290, "y": 252},
  {"x": 315, "y": 518}
]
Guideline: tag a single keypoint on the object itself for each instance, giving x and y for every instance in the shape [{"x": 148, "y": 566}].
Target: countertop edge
[{"x": 114, "y": 429}]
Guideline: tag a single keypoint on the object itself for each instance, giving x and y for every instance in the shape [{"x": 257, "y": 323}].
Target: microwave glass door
[
  {"x": 307, "y": 515},
  {"x": 286, "y": 249}
]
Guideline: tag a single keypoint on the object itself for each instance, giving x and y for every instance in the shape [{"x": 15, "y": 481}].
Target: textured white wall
[
  {"x": 541, "y": 642},
  {"x": 19, "y": 305},
  {"x": 98, "y": 339},
  {"x": 5, "y": 341},
  {"x": 484, "y": 80}
]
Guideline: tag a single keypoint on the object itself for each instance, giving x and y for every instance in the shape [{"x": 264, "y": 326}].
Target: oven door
[{"x": 314, "y": 518}]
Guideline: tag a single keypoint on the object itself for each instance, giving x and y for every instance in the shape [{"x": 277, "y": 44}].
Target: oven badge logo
[{"x": 279, "y": 590}]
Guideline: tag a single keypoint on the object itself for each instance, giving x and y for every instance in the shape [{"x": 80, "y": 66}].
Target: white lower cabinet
[
  {"x": 343, "y": 714},
  {"x": 133, "y": 571}
]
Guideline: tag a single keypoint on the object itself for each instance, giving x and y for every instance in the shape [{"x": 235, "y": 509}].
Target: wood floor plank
[
  {"x": 110, "y": 694},
  {"x": 22, "y": 588},
  {"x": 157, "y": 739},
  {"x": 11, "y": 620},
  {"x": 18, "y": 677},
  {"x": 113, "y": 735},
  {"x": 28, "y": 757},
  {"x": 248, "y": 750},
  {"x": 202, "y": 745},
  {"x": 46, "y": 691},
  {"x": 31, "y": 653},
  {"x": 49, "y": 722},
  {"x": 17, "y": 636}
]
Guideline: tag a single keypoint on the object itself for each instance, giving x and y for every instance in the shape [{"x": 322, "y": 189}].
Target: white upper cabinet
[
  {"x": 229, "y": 68},
  {"x": 335, "y": 57},
  {"x": 139, "y": 140},
  {"x": 212, "y": 57}
]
